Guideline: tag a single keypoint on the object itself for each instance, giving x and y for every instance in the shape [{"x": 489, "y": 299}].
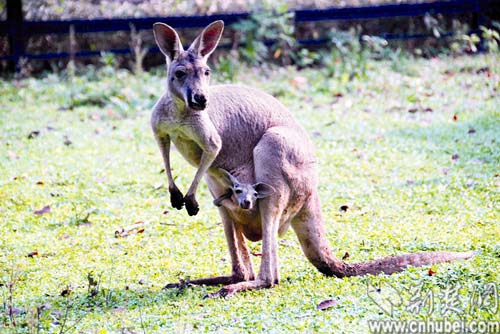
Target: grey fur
[{"x": 251, "y": 134}]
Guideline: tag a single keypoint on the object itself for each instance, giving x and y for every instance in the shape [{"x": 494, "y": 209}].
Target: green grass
[{"x": 412, "y": 180}]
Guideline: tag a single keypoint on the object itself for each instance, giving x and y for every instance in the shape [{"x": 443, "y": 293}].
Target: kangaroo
[{"x": 252, "y": 135}]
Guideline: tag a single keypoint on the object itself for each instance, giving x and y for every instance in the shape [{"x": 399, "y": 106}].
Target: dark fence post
[{"x": 16, "y": 34}]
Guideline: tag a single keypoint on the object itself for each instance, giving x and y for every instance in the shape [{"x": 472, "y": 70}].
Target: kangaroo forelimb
[{"x": 218, "y": 201}]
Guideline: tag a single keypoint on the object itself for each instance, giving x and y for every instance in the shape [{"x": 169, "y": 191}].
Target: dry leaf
[
  {"x": 67, "y": 141},
  {"x": 45, "y": 209},
  {"x": 137, "y": 227},
  {"x": 33, "y": 134},
  {"x": 66, "y": 292},
  {"x": 277, "y": 53},
  {"x": 13, "y": 156},
  {"x": 326, "y": 304},
  {"x": 32, "y": 254},
  {"x": 346, "y": 256}
]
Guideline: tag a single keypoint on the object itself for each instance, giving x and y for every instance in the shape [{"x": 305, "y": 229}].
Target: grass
[{"x": 414, "y": 154}]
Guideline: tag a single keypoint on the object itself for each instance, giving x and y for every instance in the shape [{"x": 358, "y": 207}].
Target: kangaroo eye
[
  {"x": 255, "y": 194},
  {"x": 238, "y": 191},
  {"x": 207, "y": 72},
  {"x": 179, "y": 74}
]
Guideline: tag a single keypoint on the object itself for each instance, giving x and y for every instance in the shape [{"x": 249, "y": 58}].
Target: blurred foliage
[
  {"x": 269, "y": 32},
  {"x": 68, "y": 9}
]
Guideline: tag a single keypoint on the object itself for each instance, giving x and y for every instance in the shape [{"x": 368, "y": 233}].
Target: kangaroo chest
[
  {"x": 180, "y": 136},
  {"x": 187, "y": 148}
]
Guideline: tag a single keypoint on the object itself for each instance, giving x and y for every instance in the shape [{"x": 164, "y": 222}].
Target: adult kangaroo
[{"x": 254, "y": 137}]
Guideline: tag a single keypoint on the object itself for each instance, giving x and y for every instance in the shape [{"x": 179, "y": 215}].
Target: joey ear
[
  {"x": 167, "y": 40},
  {"x": 263, "y": 190},
  {"x": 229, "y": 179},
  {"x": 207, "y": 41}
]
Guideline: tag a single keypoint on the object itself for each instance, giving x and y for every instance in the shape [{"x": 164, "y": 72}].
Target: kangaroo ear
[
  {"x": 167, "y": 40},
  {"x": 207, "y": 41},
  {"x": 229, "y": 179},
  {"x": 263, "y": 190}
]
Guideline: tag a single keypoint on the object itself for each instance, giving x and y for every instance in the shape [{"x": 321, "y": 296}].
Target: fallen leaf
[
  {"x": 66, "y": 292},
  {"x": 32, "y": 254},
  {"x": 256, "y": 254},
  {"x": 454, "y": 157},
  {"x": 455, "y": 118},
  {"x": 137, "y": 227},
  {"x": 33, "y": 134},
  {"x": 299, "y": 81},
  {"x": 412, "y": 110},
  {"x": 326, "y": 304},
  {"x": 45, "y": 209},
  {"x": 166, "y": 212},
  {"x": 277, "y": 53},
  {"x": 67, "y": 141},
  {"x": 481, "y": 70},
  {"x": 13, "y": 156},
  {"x": 346, "y": 256},
  {"x": 344, "y": 208},
  {"x": 39, "y": 183},
  {"x": 471, "y": 131},
  {"x": 15, "y": 311},
  {"x": 316, "y": 134}
]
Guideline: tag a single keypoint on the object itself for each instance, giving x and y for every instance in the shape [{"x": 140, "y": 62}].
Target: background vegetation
[{"x": 408, "y": 160}]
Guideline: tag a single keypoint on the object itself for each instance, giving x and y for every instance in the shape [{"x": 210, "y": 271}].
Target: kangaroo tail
[{"x": 392, "y": 264}]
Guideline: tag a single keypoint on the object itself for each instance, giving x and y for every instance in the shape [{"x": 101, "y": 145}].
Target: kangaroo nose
[
  {"x": 245, "y": 204},
  {"x": 200, "y": 99}
]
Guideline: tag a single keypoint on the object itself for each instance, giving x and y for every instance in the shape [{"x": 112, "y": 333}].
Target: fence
[{"x": 19, "y": 30}]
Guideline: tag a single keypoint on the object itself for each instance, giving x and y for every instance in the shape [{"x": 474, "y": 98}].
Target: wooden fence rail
[{"x": 19, "y": 30}]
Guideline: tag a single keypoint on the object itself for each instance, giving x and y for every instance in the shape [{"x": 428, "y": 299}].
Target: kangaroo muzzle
[
  {"x": 245, "y": 204},
  {"x": 196, "y": 101}
]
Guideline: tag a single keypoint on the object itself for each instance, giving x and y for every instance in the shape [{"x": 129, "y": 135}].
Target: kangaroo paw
[
  {"x": 176, "y": 198},
  {"x": 192, "y": 206}
]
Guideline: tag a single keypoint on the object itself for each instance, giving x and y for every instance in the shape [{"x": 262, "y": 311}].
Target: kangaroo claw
[
  {"x": 176, "y": 198},
  {"x": 192, "y": 206}
]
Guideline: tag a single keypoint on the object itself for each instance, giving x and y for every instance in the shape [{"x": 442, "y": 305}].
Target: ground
[{"x": 408, "y": 161}]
